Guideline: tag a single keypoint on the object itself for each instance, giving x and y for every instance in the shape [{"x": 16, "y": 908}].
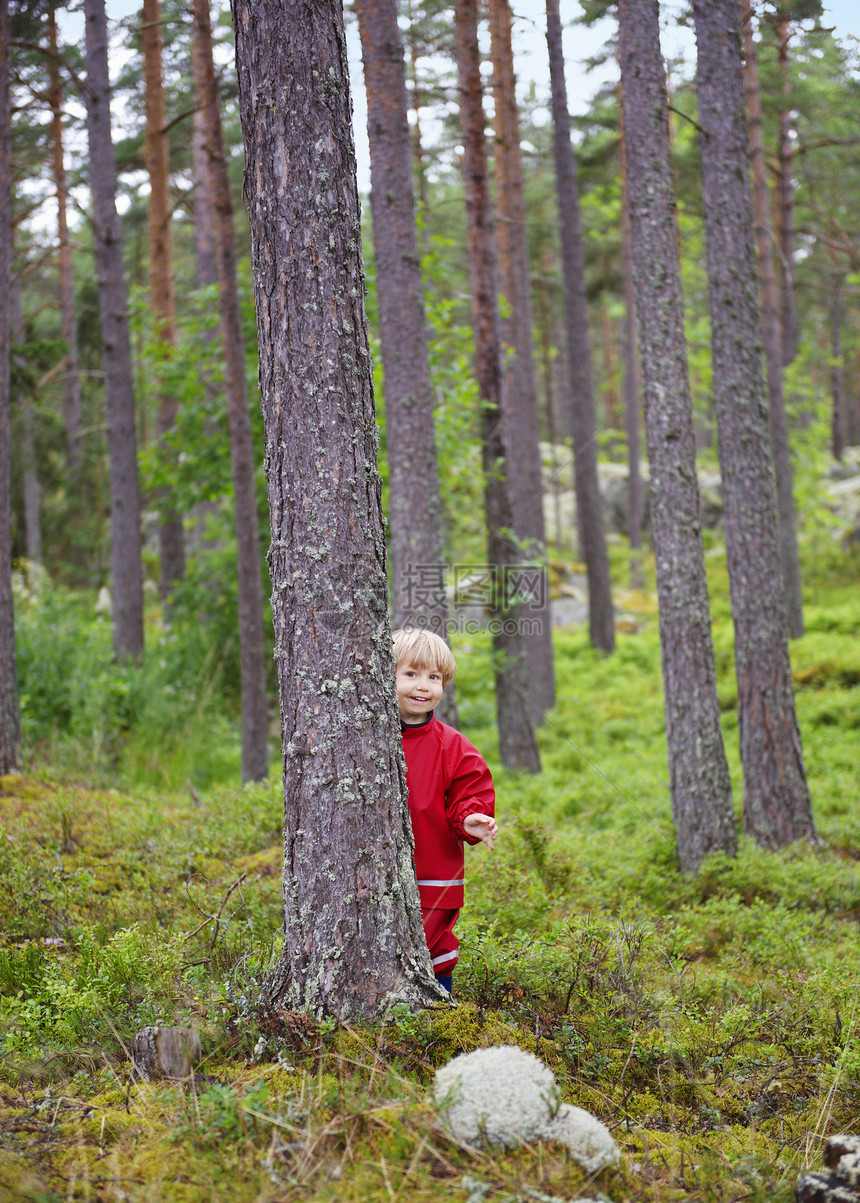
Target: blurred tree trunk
[
  {"x": 417, "y": 544},
  {"x": 116, "y": 348},
  {"x": 255, "y": 761},
  {"x": 788, "y": 556},
  {"x": 10, "y": 721},
  {"x": 837, "y": 420},
  {"x": 785, "y": 195},
  {"x": 630, "y": 355},
  {"x": 777, "y": 807},
  {"x": 162, "y": 301},
  {"x": 521, "y": 412},
  {"x": 68, "y": 320},
  {"x": 592, "y": 537},
  {"x": 353, "y": 940},
  {"x": 205, "y": 268},
  {"x": 29, "y": 467},
  {"x": 517, "y": 743},
  {"x": 699, "y": 775}
]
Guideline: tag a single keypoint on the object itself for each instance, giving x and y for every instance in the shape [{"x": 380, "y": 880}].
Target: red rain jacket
[{"x": 448, "y": 780}]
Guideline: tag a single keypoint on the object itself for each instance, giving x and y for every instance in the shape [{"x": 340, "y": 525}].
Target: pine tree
[
  {"x": 517, "y": 742},
  {"x": 777, "y": 807},
  {"x": 10, "y": 721},
  {"x": 353, "y": 940},
  {"x": 126, "y": 574},
  {"x": 252, "y": 662},
  {"x": 700, "y": 786}
]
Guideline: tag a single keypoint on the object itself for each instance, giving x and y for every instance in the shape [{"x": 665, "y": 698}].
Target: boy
[{"x": 451, "y": 795}]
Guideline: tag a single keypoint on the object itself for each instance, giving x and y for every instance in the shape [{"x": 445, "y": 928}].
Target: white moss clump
[
  {"x": 589, "y": 1141},
  {"x": 504, "y": 1096}
]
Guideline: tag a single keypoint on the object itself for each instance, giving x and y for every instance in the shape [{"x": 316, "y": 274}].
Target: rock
[
  {"x": 165, "y": 1053},
  {"x": 842, "y": 1184},
  {"x": 504, "y": 1096}
]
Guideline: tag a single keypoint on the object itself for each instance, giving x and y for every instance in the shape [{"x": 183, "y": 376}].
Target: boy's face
[{"x": 418, "y": 692}]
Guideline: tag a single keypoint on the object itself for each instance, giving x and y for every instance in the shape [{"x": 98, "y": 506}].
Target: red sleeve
[{"x": 470, "y": 790}]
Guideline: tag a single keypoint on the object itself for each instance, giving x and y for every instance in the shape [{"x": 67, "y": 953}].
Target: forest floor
[{"x": 710, "y": 1022}]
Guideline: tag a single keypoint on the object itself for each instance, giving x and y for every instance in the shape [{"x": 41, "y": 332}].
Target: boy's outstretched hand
[{"x": 482, "y": 827}]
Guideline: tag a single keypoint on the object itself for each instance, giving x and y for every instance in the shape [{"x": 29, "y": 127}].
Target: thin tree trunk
[
  {"x": 29, "y": 467},
  {"x": 610, "y": 390},
  {"x": 521, "y": 412},
  {"x": 699, "y": 775},
  {"x": 353, "y": 940},
  {"x": 631, "y": 373},
  {"x": 417, "y": 545},
  {"x": 601, "y": 619},
  {"x": 549, "y": 390},
  {"x": 116, "y": 347},
  {"x": 777, "y": 807},
  {"x": 785, "y": 192},
  {"x": 837, "y": 421},
  {"x": 252, "y": 662},
  {"x": 68, "y": 320},
  {"x": 10, "y": 721},
  {"x": 517, "y": 743},
  {"x": 788, "y": 555},
  {"x": 32, "y": 489},
  {"x": 420, "y": 170},
  {"x": 205, "y": 267},
  {"x": 162, "y": 301}
]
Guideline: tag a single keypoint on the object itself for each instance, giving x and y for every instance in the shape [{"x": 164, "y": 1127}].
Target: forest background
[{"x": 724, "y": 1003}]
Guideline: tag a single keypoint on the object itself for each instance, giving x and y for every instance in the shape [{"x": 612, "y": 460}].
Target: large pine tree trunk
[
  {"x": 162, "y": 301},
  {"x": 592, "y": 537},
  {"x": 68, "y": 322},
  {"x": 116, "y": 347},
  {"x": 10, "y": 723},
  {"x": 205, "y": 269},
  {"x": 353, "y": 941},
  {"x": 777, "y": 807},
  {"x": 700, "y": 786},
  {"x": 788, "y": 556},
  {"x": 252, "y": 661},
  {"x": 785, "y": 196},
  {"x": 517, "y": 742},
  {"x": 521, "y": 417}
]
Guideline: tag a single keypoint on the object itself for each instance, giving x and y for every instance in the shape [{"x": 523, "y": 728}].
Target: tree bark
[
  {"x": 517, "y": 742},
  {"x": 205, "y": 269},
  {"x": 116, "y": 347},
  {"x": 785, "y": 192},
  {"x": 777, "y": 807},
  {"x": 788, "y": 555},
  {"x": 68, "y": 320},
  {"x": 521, "y": 415},
  {"x": 837, "y": 418},
  {"x": 162, "y": 300},
  {"x": 417, "y": 544},
  {"x": 353, "y": 941},
  {"x": 630, "y": 355},
  {"x": 10, "y": 721},
  {"x": 592, "y": 537},
  {"x": 252, "y": 662},
  {"x": 416, "y": 511},
  {"x": 700, "y": 785}
]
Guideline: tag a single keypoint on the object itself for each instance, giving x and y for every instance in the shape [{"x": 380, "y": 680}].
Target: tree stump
[
  {"x": 842, "y": 1184},
  {"x": 165, "y": 1053}
]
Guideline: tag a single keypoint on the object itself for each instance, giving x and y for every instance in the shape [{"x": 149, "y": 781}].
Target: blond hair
[{"x": 423, "y": 649}]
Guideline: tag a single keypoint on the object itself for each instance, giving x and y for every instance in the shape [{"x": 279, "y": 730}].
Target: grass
[{"x": 711, "y": 1022}]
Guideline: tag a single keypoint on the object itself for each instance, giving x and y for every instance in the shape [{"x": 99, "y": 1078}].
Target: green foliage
[{"x": 156, "y": 720}]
